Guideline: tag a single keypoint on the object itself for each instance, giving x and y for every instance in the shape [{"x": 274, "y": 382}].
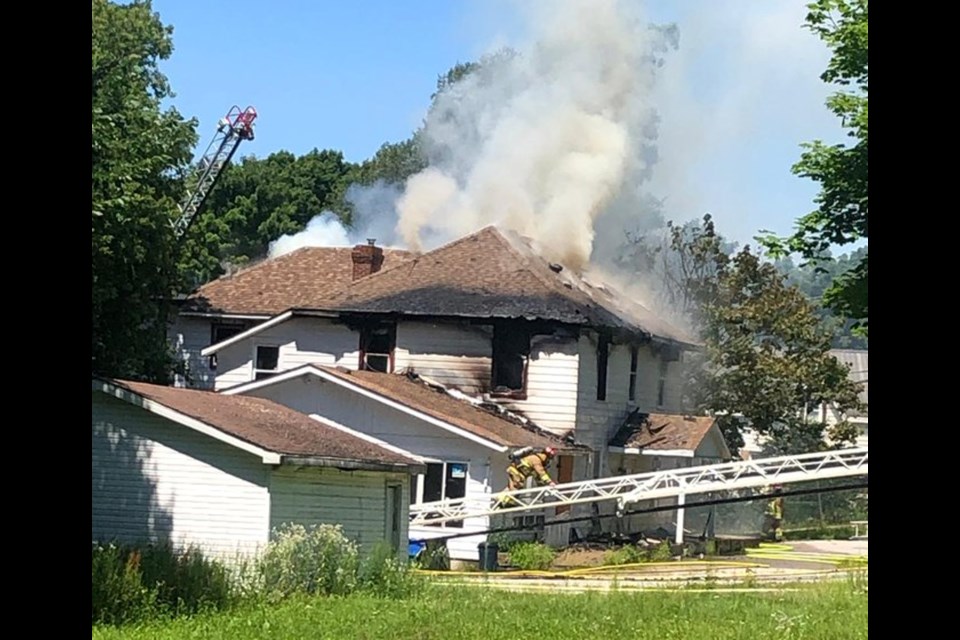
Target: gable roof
[
  {"x": 497, "y": 274},
  {"x": 306, "y": 275},
  {"x": 485, "y": 423},
  {"x": 856, "y": 359},
  {"x": 257, "y": 425},
  {"x": 659, "y": 432}
]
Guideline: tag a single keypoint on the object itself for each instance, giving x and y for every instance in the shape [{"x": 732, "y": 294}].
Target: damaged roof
[
  {"x": 662, "y": 432},
  {"x": 487, "y": 420},
  {"x": 497, "y": 274},
  {"x": 263, "y": 423},
  {"x": 301, "y": 278}
]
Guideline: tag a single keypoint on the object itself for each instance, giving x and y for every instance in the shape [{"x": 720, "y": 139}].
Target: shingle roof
[
  {"x": 489, "y": 423},
  {"x": 663, "y": 432},
  {"x": 264, "y": 423},
  {"x": 496, "y": 274},
  {"x": 301, "y": 278}
]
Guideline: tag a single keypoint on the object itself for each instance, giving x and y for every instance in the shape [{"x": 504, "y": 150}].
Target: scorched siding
[
  {"x": 154, "y": 479},
  {"x": 453, "y": 355},
  {"x": 551, "y": 384},
  {"x": 357, "y": 500}
]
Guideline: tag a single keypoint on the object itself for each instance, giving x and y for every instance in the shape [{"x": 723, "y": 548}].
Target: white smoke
[
  {"x": 374, "y": 218},
  {"x": 547, "y": 141}
]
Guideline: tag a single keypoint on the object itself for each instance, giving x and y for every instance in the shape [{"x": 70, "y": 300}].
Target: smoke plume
[{"x": 548, "y": 141}]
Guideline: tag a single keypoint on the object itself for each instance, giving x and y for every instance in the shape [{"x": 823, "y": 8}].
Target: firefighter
[
  {"x": 532, "y": 465},
  {"x": 773, "y": 517}
]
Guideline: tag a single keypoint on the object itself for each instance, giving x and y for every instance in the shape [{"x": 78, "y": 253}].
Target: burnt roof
[
  {"x": 304, "y": 277},
  {"x": 663, "y": 432},
  {"x": 497, "y": 274},
  {"x": 487, "y": 420},
  {"x": 265, "y": 424}
]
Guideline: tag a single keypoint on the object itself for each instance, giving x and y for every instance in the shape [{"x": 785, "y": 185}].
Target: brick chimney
[{"x": 367, "y": 259}]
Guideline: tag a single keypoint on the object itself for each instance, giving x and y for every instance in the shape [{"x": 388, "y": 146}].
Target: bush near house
[
  {"x": 137, "y": 583},
  {"x": 532, "y": 556}
]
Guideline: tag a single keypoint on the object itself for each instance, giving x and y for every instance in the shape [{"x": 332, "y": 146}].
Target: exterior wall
[
  {"x": 357, "y": 500},
  {"x": 301, "y": 341},
  {"x": 189, "y": 336},
  {"x": 459, "y": 356},
  {"x": 157, "y": 480},
  {"x": 452, "y": 354},
  {"x": 486, "y": 472}
]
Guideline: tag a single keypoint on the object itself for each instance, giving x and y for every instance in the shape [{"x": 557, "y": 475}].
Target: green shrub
[
  {"x": 137, "y": 582},
  {"x": 625, "y": 555},
  {"x": 661, "y": 552},
  {"x": 383, "y": 574},
  {"x": 532, "y": 556},
  {"x": 315, "y": 560}
]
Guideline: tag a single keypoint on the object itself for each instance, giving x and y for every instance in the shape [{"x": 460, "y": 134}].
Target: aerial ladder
[
  {"x": 232, "y": 129},
  {"x": 670, "y": 483}
]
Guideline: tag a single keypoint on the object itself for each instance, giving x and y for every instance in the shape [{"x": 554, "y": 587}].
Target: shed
[{"x": 222, "y": 472}]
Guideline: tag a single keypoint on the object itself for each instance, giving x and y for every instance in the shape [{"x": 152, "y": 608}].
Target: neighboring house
[
  {"x": 486, "y": 317},
  {"x": 464, "y": 445},
  {"x": 856, "y": 360},
  {"x": 233, "y": 303},
  {"x": 220, "y": 471}
]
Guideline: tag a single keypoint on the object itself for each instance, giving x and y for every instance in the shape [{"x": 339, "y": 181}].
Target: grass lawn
[{"x": 824, "y": 611}]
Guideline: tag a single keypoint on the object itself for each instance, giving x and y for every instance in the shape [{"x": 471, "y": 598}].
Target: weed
[
  {"x": 661, "y": 552},
  {"x": 532, "y": 556},
  {"x": 628, "y": 554}
]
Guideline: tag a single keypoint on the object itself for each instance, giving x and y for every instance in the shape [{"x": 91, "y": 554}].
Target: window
[
  {"x": 511, "y": 349},
  {"x": 220, "y": 331},
  {"x": 443, "y": 481},
  {"x": 603, "y": 358},
  {"x": 267, "y": 362},
  {"x": 662, "y": 383},
  {"x": 632, "y": 391},
  {"x": 376, "y": 347}
]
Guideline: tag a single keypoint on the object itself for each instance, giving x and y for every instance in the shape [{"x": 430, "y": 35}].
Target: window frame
[
  {"x": 418, "y": 483},
  {"x": 364, "y": 341},
  {"x": 253, "y": 364},
  {"x": 497, "y": 352},
  {"x": 634, "y": 365}
]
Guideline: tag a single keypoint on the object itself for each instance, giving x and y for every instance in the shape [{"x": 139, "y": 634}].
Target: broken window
[
  {"x": 443, "y": 481},
  {"x": 511, "y": 349},
  {"x": 377, "y": 343},
  {"x": 220, "y": 331},
  {"x": 632, "y": 393},
  {"x": 603, "y": 358},
  {"x": 267, "y": 362}
]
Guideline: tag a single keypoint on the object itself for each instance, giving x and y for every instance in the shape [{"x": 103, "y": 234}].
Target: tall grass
[
  {"x": 135, "y": 583},
  {"x": 828, "y": 610}
]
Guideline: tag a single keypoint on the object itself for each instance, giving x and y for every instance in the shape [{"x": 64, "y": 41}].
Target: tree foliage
[
  {"x": 842, "y": 204},
  {"x": 765, "y": 356},
  {"x": 138, "y": 154}
]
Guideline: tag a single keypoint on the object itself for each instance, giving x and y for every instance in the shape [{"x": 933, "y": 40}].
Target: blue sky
[{"x": 739, "y": 96}]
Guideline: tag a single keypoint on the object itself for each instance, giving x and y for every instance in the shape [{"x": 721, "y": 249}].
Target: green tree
[
  {"x": 842, "y": 205},
  {"x": 766, "y": 356},
  {"x": 138, "y": 154}
]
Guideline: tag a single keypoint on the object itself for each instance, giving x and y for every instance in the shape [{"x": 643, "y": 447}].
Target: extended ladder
[
  {"x": 232, "y": 129},
  {"x": 729, "y": 476}
]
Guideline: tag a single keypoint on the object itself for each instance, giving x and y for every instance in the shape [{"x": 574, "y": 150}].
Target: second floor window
[
  {"x": 267, "y": 362},
  {"x": 376, "y": 348},
  {"x": 511, "y": 349},
  {"x": 662, "y": 384},
  {"x": 632, "y": 389}
]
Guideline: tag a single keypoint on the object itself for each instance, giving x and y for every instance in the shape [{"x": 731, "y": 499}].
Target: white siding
[
  {"x": 355, "y": 499},
  {"x": 189, "y": 336},
  {"x": 154, "y": 479},
  {"x": 301, "y": 341},
  {"x": 452, "y": 354},
  {"x": 486, "y": 468},
  {"x": 551, "y": 384}
]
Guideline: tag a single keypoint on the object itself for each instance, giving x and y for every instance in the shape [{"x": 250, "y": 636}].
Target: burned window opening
[
  {"x": 220, "y": 331},
  {"x": 634, "y": 356},
  {"x": 511, "y": 351},
  {"x": 377, "y": 344},
  {"x": 603, "y": 359}
]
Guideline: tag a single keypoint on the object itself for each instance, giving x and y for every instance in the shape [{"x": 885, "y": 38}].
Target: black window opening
[
  {"x": 267, "y": 362},
  {"x": 221, "y": 331},
  {"x": 445, "y": 481},
  {"x": 377, "y": 344},
  {"x": 603, "y": 359},
  {"x": 662, "y": 384},
  {"x": 511, "y": 350},
  {"x": 634, "y": 356}
]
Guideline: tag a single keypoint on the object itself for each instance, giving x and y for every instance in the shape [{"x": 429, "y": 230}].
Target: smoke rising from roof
[{"x": 547, "y": 141}]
